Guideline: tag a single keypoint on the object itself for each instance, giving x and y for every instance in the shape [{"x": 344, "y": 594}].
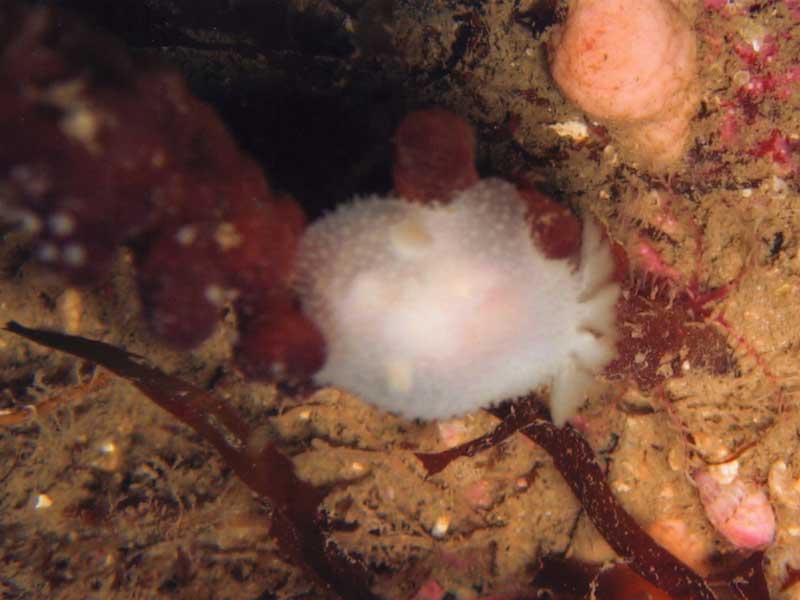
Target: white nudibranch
[{"x": 435, "y": 311}]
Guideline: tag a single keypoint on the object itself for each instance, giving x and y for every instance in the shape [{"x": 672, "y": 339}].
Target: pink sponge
[
  {"x": 631, "y": 66},
  {"x": 438, "y": 310}
]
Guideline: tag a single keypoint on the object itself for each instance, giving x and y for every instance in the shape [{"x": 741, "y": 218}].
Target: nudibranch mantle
[{"x": 436, "y": 311}]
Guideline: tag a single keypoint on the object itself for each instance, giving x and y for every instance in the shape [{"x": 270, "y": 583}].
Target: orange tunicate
[{"x": 633, "y": 67}]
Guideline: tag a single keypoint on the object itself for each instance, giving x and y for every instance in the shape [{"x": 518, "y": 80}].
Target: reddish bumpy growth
[
  {"x": 101, "y": 151},
  {"x": 435, "y": 156}
]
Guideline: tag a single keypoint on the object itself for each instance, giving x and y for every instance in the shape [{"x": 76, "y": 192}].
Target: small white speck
[
  {"x": 621, "y": 487},
  {"x": 779, "y": 185},
  {"x": 74, "y": 255},
  {"x": 686, "y": 366},
  {"x": 410, "y": 238},
  {"x": 108, "y": 448},
  {"x": 741, "y": 78},
  {"x": 304, "y": 415},
  {"x": 227, "y": 236},
  {"x": 30, "y": 222},
  {"x": 746, "y": 192},
  {"x": 33, "y": 182},
  {"x": 576, "y": 130},
  {"x": 610, "y": 154},
  {"x": 357, "y": 467},
  {"x": 399, "y": 375},
  {"x": 81, "y": 124},
  {"x": 440, "y": 527},
  {"x": 186, "y": 235},
  {"x": 278, "y": 369},
  {"x": 726, "y": 472},
  {"x": 218, "y": 295},
  {"x": 42, "y": 501},
  {"x": 61, "y": 224},
  {"x": 47, "y": 252}
]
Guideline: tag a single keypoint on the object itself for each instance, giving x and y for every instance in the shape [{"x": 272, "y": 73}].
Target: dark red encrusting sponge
[
  {"x": 554, "y": 228},
  {"x": 434, "y": 156},
  {"x": 98, "y": 150}
]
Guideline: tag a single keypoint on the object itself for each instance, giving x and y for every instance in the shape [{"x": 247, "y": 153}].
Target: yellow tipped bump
[{"x": 410, "y": 238}]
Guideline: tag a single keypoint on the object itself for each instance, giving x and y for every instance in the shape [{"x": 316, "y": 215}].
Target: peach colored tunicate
[{"x": 633, "y": 67}]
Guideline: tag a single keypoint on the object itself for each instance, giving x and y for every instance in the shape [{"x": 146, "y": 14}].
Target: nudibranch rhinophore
[{"x": 436, "y": 310}]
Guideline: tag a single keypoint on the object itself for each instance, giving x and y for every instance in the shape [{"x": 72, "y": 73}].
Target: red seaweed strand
[
  {"x": 513, "y": 418},
  {"x": 270, "y": 473},
  {"x": 575, "y": 460},
  {"x": 747, "y": 578}
]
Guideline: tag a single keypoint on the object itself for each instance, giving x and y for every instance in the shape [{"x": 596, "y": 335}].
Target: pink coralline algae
[
  {"x": 631, "y": 66},
  {"x": 98, "y": 151},
  {"x": 666, "y": 316},
  {"x": 767, "y": 79},
  {"x": 733, "y": 7}
]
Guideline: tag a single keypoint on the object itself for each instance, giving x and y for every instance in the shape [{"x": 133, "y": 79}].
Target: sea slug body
[{"x": 431, "y": 311}]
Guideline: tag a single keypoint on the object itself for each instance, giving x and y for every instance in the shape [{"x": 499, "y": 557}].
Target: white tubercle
[{"x": 432, "y": 312}]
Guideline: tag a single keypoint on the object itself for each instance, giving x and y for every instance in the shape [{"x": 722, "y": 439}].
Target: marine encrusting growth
[{"x": 109, "y": 151}]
